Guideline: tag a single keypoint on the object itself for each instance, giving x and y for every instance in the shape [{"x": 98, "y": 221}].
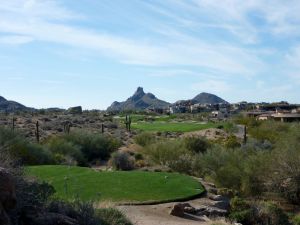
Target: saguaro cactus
[
  {"x": 128, "y": 122},
  {"x": 37, "y": 132},
  {"x": 13, "y": 123},
  {"x": 67, "y": 127},
  {"x": 245, "y": 134},
  {"x": 102, "y": 128}
]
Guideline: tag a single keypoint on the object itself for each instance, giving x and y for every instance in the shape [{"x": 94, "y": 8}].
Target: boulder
[
  {"x": 7, "y": 195},
  {"x": 211, "y": 212},
  {"x": 177, "y": 210},
  {"x": 180, "y": 208},
  {"x": 75, "y": 110},
  {"x": 220, "y": 201},
  {"x": 225, "y": 205},
  {"x": 217, "y": 197},
  {"x": 212, "y": 190}
]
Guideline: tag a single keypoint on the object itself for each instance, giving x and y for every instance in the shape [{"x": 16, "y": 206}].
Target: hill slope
[
  {"x": 207, "y": 98},
  {"x": 10, "y": 106},
  {"x": 138, "y": 101}
]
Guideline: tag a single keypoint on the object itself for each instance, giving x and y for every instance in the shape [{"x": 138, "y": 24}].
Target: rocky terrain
[{"x": 58, "y": 123}]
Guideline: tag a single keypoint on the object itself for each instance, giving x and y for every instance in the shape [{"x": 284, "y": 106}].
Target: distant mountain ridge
[
  {"x": 141, "y": 101},
  {"x": 11, "y": 106},
  {"x": 138, "y": 101}
]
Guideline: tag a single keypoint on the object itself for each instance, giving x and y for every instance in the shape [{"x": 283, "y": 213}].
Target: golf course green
[{"x": 116, "y": 186}]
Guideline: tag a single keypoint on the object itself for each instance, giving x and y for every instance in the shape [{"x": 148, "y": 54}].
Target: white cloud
[
  {"x": 212, "y": 86},
  {"x": 171, "y": 73},
  {"x": 24, "y": 20},
  {"x": 37, "y": 9},
  {"x": 15, "y": 39}
]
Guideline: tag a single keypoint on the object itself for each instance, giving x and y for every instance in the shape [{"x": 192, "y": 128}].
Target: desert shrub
[
  {"x": 7, "y": 136},
  {"x": 20, "y": 148},
  {"x": 32, "y": 193},
  {"x": 63, "y": 149},
  {"x": 240, "y": 211},
  {"x": 182, "y": 164},
  {"x": 122, "y": 161},
  {"x": 196, "y": 144},
  {"x": 111, "y": 216},
  {"x": 296, "y": 220},
  {"x": 230, "y": 127},
  {"x": 165, "y": 152},
  {"x": 247, "y": 121},
  {"x": 254, "y": 144},
  {"x": 236, "y": 169},
  {"x": 255, "y": 170},
  {"x": 269, "y": 130},
  {"x": 138, "y": 156},
  {"x": 285, "y": 167},
  {"x": 229, "y": 193},
  {"x": 93, "y": 146},
  {"x": 30, "y": 153},
  {"x": 269, "y": 213},
  {"x": 140, "y": 164},
  {"x": 83, "y": 212},
  {"x": 232, "y": 142},
  {"x": 221, "y": 165},
  {"x": 256, "y": 213},
  {"x": 144, "y": 139}
]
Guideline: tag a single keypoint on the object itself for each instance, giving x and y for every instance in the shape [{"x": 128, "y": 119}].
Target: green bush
[
  {"x": 20, "y": 148},
  {"x": 285, "y": 166},
  {"x": 63, "y": 149},
  {"x": 111, "y": 216},
  {"x": 93, "y": 146},
  {"x": 182, "y": 164},
  {"x": 223, "y": 166},
  {"x": 30, "y": 153},
  {"x": 83, "y": 212},
  {"x": 145, "y": 139},
  {"x": 240, "y": 211},
  {"x": 242, "y": 171},
  {"x": 122, "y": 161},
  {"x": 232, "y": 142},
  {"x": 165, "y": 152},
  {"x": 270, "y": 214},
  {"x": 247, "y": 121},
  {"x": 256, "y": 213},
  {"x": 296, "y": 220},
  {"x": 7, "y": 136},
  {"x": 269, "y": 130},
  {"x": 196, "y": 144}
]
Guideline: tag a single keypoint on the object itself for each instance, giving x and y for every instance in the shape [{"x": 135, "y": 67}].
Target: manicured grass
[
  {"x": 118, "y": 186},
  {"x": 173, "y": 127}
]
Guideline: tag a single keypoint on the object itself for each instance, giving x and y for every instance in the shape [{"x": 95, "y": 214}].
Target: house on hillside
[
  {"x": 219, "y": 115},
  {"x": 287, "y": 117}
]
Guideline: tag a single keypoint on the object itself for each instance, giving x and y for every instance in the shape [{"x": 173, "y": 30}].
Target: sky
[{"x": 63, "y": 53}]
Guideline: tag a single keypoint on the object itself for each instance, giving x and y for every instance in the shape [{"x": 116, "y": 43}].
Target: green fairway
[
  {"x": 173, "y": 127},
  {"x": 133, "y": 186}
]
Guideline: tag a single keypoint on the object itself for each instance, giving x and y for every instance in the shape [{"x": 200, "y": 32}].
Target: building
[{"x": 287, "y": 117}]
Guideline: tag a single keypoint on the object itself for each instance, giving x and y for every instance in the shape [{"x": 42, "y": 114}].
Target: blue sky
[{"x": 91, "y": 53}]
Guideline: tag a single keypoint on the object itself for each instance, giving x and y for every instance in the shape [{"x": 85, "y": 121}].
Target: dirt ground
[{"x": 159, "y": 215}]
